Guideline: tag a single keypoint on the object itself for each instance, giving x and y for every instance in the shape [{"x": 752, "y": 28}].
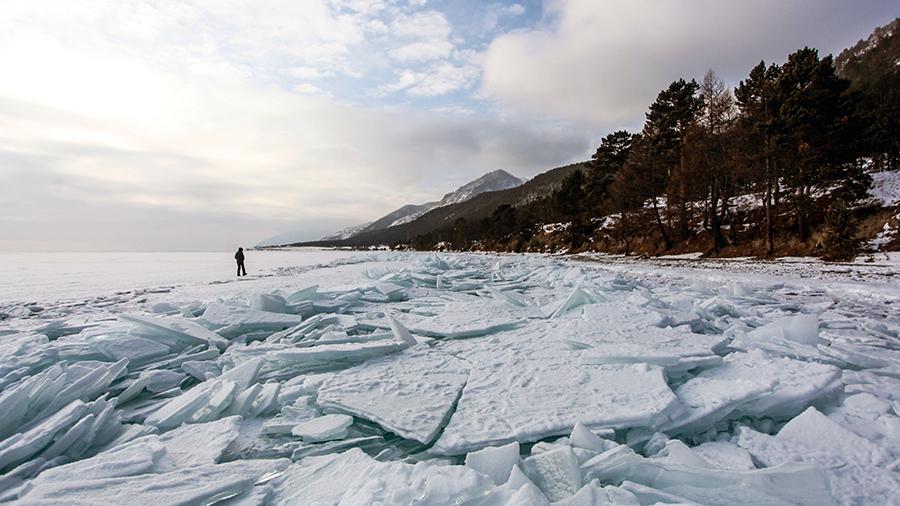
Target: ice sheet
[
  {"x": 583, "y": 383},
  {"x": 411, "y": 393}
]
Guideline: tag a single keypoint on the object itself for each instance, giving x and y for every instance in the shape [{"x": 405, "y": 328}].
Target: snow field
[{"x": 460, "y": 379}]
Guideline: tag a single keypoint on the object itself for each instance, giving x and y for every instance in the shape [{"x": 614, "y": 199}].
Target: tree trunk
[
  {"x": 767, "y": 203},
  {"x": 662, "y": 228},
  {"x": 682, "y": 190}
]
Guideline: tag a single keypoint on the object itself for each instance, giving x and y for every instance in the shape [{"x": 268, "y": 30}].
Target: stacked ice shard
[{"x": 461, "y": 379}]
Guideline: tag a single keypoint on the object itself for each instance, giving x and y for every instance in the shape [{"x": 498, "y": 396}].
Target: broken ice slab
[
  {"x": 323, "y": 428},
  {"x": 882, "y": 358},
  {"x": 410, "y": 393},
  {"x": 555, "y": 472},
  {"x": 798, "y": 383},
  {"x": 179, "y": 330},
  {"x": 858, "y": 470},
  {"x": 527, "y": 400},
  {"x": 754, "y": 384},
  {"x": 305, "y": 294},
  {"x": 24, "y": 445},
  {"x": 201, "y": 403},
  {"x": 793, "y": 336},
  {"x": 232, "y": 321},
  {"x": 469, "y": 318},
  {"x": 353, "y": 478},
  {"x": 202, "y": 443},
  {"x": 270, "y": 302},
  {"x": 788, "y": 484},
  {"x": 195, "y": 485},
  {"x": 703, "y": 401},
  {"x": 674, "y": 350},
  {"x": 153, "y": 381},
  {"x": 495, "y": 462},
  {"x": 283, "y": 362},
  {"x": 802, "y": 329},
  {"x": 579, "y": 296},
  {"x": 29, "y": 350},
  {"x": 725, "y": 455}
]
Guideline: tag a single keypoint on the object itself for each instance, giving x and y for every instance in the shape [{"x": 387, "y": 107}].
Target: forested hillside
[{"x": 780, "y": 165}]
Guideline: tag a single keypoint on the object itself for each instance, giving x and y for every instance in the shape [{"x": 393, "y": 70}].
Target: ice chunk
[
  {"x": 470, "y": 318},
  {"x": 410, "y": 393},
  {"x": 578, "y": 297},
  {"x": 797, "y": 383},
  {"x": 19, "y": 448},
  {"x": 304, "y": 294},
  {"x": 283, "y": 361},
  {"x": 202, "y": 443},
  {"x": 705, "y": 401},
  {"x": 235, "y": 320},
  {"x": 675, "y": 350},
  {"x": 555, "y": 473},
  {"x": 154, "y": 380},
  {"x": 531, "y": 399},
  {"x": 353, "y": 478},
  {"x": 245, "y": 374},
  {"x": 582, "y": 437},
  {"x": 495, "y": 461},
  {"x": 803, "y": 329},
  {"x": 323, "y": 428},
  {"x": 195, "y": 485},
  {"x": 202, "y": 403},
  {"x": 778, "y": 485},
  {"x": 422, "y": 483},
  {"x": 725, "y": 455},
  {"x": 593, "y": 494},
  {"x": 185, "y": 331},
  {"x": 753, "y": 384},
  {"x": 270, "y": 302}
]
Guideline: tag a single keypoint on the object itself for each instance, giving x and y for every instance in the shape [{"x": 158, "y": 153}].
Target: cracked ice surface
[{"x": 459, "y": 379}]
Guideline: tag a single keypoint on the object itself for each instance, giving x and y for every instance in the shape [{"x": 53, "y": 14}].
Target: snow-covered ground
[
  {"x": 403, "y": 378},
  {"x": 44, "y": 277}
]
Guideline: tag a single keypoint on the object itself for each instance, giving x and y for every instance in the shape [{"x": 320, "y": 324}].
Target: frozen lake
[
  {"x": 477, "y": 379},
  {"x": 43, "y": 277}
]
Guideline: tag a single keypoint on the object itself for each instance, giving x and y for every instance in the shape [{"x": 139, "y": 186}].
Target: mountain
[
  {"x": 492, "y": 181},
  {"x": 872, "y": 58},
  {"x": 290, "y": 237},
  {"x": 400, "y": 215},
  {"x": 346, "y": 233},
  {"x": 479, "y": 206}
]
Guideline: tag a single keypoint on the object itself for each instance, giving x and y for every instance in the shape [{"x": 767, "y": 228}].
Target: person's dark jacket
[{"x": 239, "y": 256}]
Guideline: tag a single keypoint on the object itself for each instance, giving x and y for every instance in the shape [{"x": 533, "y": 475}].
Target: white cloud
[
  {"x": 495, "y": 12},
  {"x": 424, "y": 35},
  {"x": 603, "y": 62},
  {"x": 167, "y": 139},
  {"x": 439, "y": 79}
]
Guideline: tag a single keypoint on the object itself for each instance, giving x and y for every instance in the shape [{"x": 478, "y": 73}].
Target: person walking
[{"x": 239, "y": 256}]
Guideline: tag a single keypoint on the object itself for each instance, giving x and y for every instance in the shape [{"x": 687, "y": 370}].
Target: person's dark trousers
[{"x": 241, "y": 268}]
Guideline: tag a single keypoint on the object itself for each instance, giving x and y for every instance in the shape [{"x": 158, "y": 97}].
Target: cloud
[
  {"x": 427, "y": 33},
  {"x": 439, "y": 79},
  {"x": 495, "y": 12},
  {"x": 603, "y": 62},
  {"x": 167, "y": 140}
]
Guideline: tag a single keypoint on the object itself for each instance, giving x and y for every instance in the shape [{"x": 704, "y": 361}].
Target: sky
[{"x": 207, "y": 124}]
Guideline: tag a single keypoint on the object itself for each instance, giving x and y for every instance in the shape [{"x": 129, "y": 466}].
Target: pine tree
[
  {"x": 757, "y": 99},
  {"x": 605, "y": 163},
  {"x": 840, "y": 232},
  {"x": 670, "y": 117},
  {"x": 816, "y": 113},
  {"x": 715, "y": 121}
]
